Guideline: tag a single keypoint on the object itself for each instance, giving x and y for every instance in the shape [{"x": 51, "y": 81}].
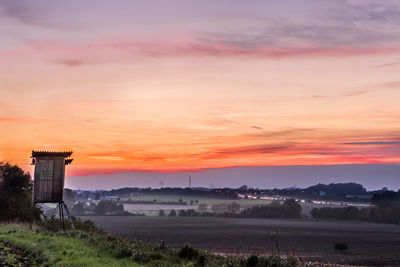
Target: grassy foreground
[{"x": 20, "y": 246}]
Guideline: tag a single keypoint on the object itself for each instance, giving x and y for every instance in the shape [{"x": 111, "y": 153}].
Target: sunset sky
[{"x": 172, "y": 86}]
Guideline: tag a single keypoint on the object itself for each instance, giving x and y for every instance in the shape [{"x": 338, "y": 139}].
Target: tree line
[
  {"x": 288, "y": 209},
  {"x": 382, "y": 212}
]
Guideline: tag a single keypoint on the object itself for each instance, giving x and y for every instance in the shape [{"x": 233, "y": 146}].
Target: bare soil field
[{"x": 369, "y": 244}]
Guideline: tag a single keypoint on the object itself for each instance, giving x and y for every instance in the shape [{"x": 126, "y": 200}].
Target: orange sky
[{"x": 131, "y": 86}]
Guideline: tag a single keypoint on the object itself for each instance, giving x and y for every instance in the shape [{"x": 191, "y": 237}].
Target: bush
[
  {"x": 188, "y": 213},
  {"x": 252, "y": 260},
  {"x": 384, "y": 212},
  {"x": 172, "y": 213},
  {"x": 289, "y": 209},
  {"x": 202, "y": 208},
  {"x": 78, "y": 209},
  {"x": 161, "y": 213},
  {"x": 188, "y": 253},
  {"x": 52, "y": 224},
  {"x": 16, "y": 194},
  {"x": 105, "y": 206},
  {"x": 341, "y": 247}
]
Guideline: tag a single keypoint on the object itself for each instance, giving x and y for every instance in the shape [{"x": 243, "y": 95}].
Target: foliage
[
  {"x": 202, "y": 208},
  {"x": 289, "y": 209},
  {"x": 16, "y": 194},
  {"x": 188, "y": 213},
  {"x": 78, "y": 209},
  {"x": 172, "y": 213},
  {"x": 188, "y": 253},
  {"x": 69, "y": 197},
  {"x": 346, "y": 213},
  {"x": 11, "y": 255},
  {"x": 78, "y": 248},
  {"x": 339, "y": 189},
  {"x": 108, "y": 206},
  {"x": 340, "y": 247},
  {"x": 161, "y": 213},
  {"x": 52, "y": 224},
  {"x": 233, "y": 208},
  {"x": 386, "y": 196},
  {"x": 384, "y": 212}
]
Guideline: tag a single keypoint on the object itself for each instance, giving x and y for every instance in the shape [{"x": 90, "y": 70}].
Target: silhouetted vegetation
[
  {"x": 385, "y": 196},
  {"x": 347, "y": 213},
  {"x": 340, "y": 247},
  {"x": 383, "y": 212},
  {"x": 94, "y": 248},
  {"x": 339, "y": 189},
  {"x": 172, "y": 213},
  {"x": 188, "y": 213},
  {"x": 16, "y": 194},
  {"x": 289, "y": 209}
]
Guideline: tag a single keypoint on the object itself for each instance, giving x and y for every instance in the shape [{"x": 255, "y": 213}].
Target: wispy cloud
[
  {"x": 374, "y": 143},
  {"x": 256, "y": 127},
  {"x": 70, "y": 62},
  {"x": 22, "y": 120},
  {"x": 390, "y": 64}
]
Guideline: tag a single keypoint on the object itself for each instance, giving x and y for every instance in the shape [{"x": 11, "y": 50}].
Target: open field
[
  {"x": 369, "y": 244},
  {"x": 154, "y": 208},
  {"x": 188, "y": 198}
]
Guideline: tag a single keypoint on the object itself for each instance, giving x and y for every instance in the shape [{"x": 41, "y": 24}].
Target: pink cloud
[
  {"x": 100, "y": 53},
  {"x": 21, "y": 120}
]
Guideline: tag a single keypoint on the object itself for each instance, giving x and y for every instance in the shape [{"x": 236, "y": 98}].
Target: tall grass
[{"x": 95, "y": 248}]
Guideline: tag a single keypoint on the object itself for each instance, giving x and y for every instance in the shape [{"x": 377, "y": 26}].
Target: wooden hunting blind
[
  {"x": 49, "y": 175},
  {"x": 48, "y": 184}
]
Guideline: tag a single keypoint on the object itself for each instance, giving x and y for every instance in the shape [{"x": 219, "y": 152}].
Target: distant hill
[{"x": 339, "y": 189}]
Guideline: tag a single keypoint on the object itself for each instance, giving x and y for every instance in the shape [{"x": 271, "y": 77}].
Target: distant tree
[
  {"x": 188, "y": 213},
  {"x": 341, "y": 247},
  {"x": 16, "y": 194},
  {"x": 172, "y": 213},
  {"x": 218, "y": 208},
  {"x": 292, "y": 209},
  {"x": 101, "y": 208},
  {"x": 69, "y": 197},
  {"x": 388, "y": 212},
  {"x": 243, "y": 189},
  {"x": 346, "y": 213},
  {"x": 78, "y": 209},
  {"x": 161, "y": 213},
  {"x": 202, "y": 208},
  {"x": 233, "y": 208}
]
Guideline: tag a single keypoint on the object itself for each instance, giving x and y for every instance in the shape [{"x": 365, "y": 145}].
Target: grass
[
  {"x": 77, "y": 248},
  {"x": 58, "y": 249}
]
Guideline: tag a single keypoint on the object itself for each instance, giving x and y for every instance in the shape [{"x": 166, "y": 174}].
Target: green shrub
[
  {"x": 252, "y": 260},
  {"x": 340, "y": 246},
  {"x": 188, "y": 253}
]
